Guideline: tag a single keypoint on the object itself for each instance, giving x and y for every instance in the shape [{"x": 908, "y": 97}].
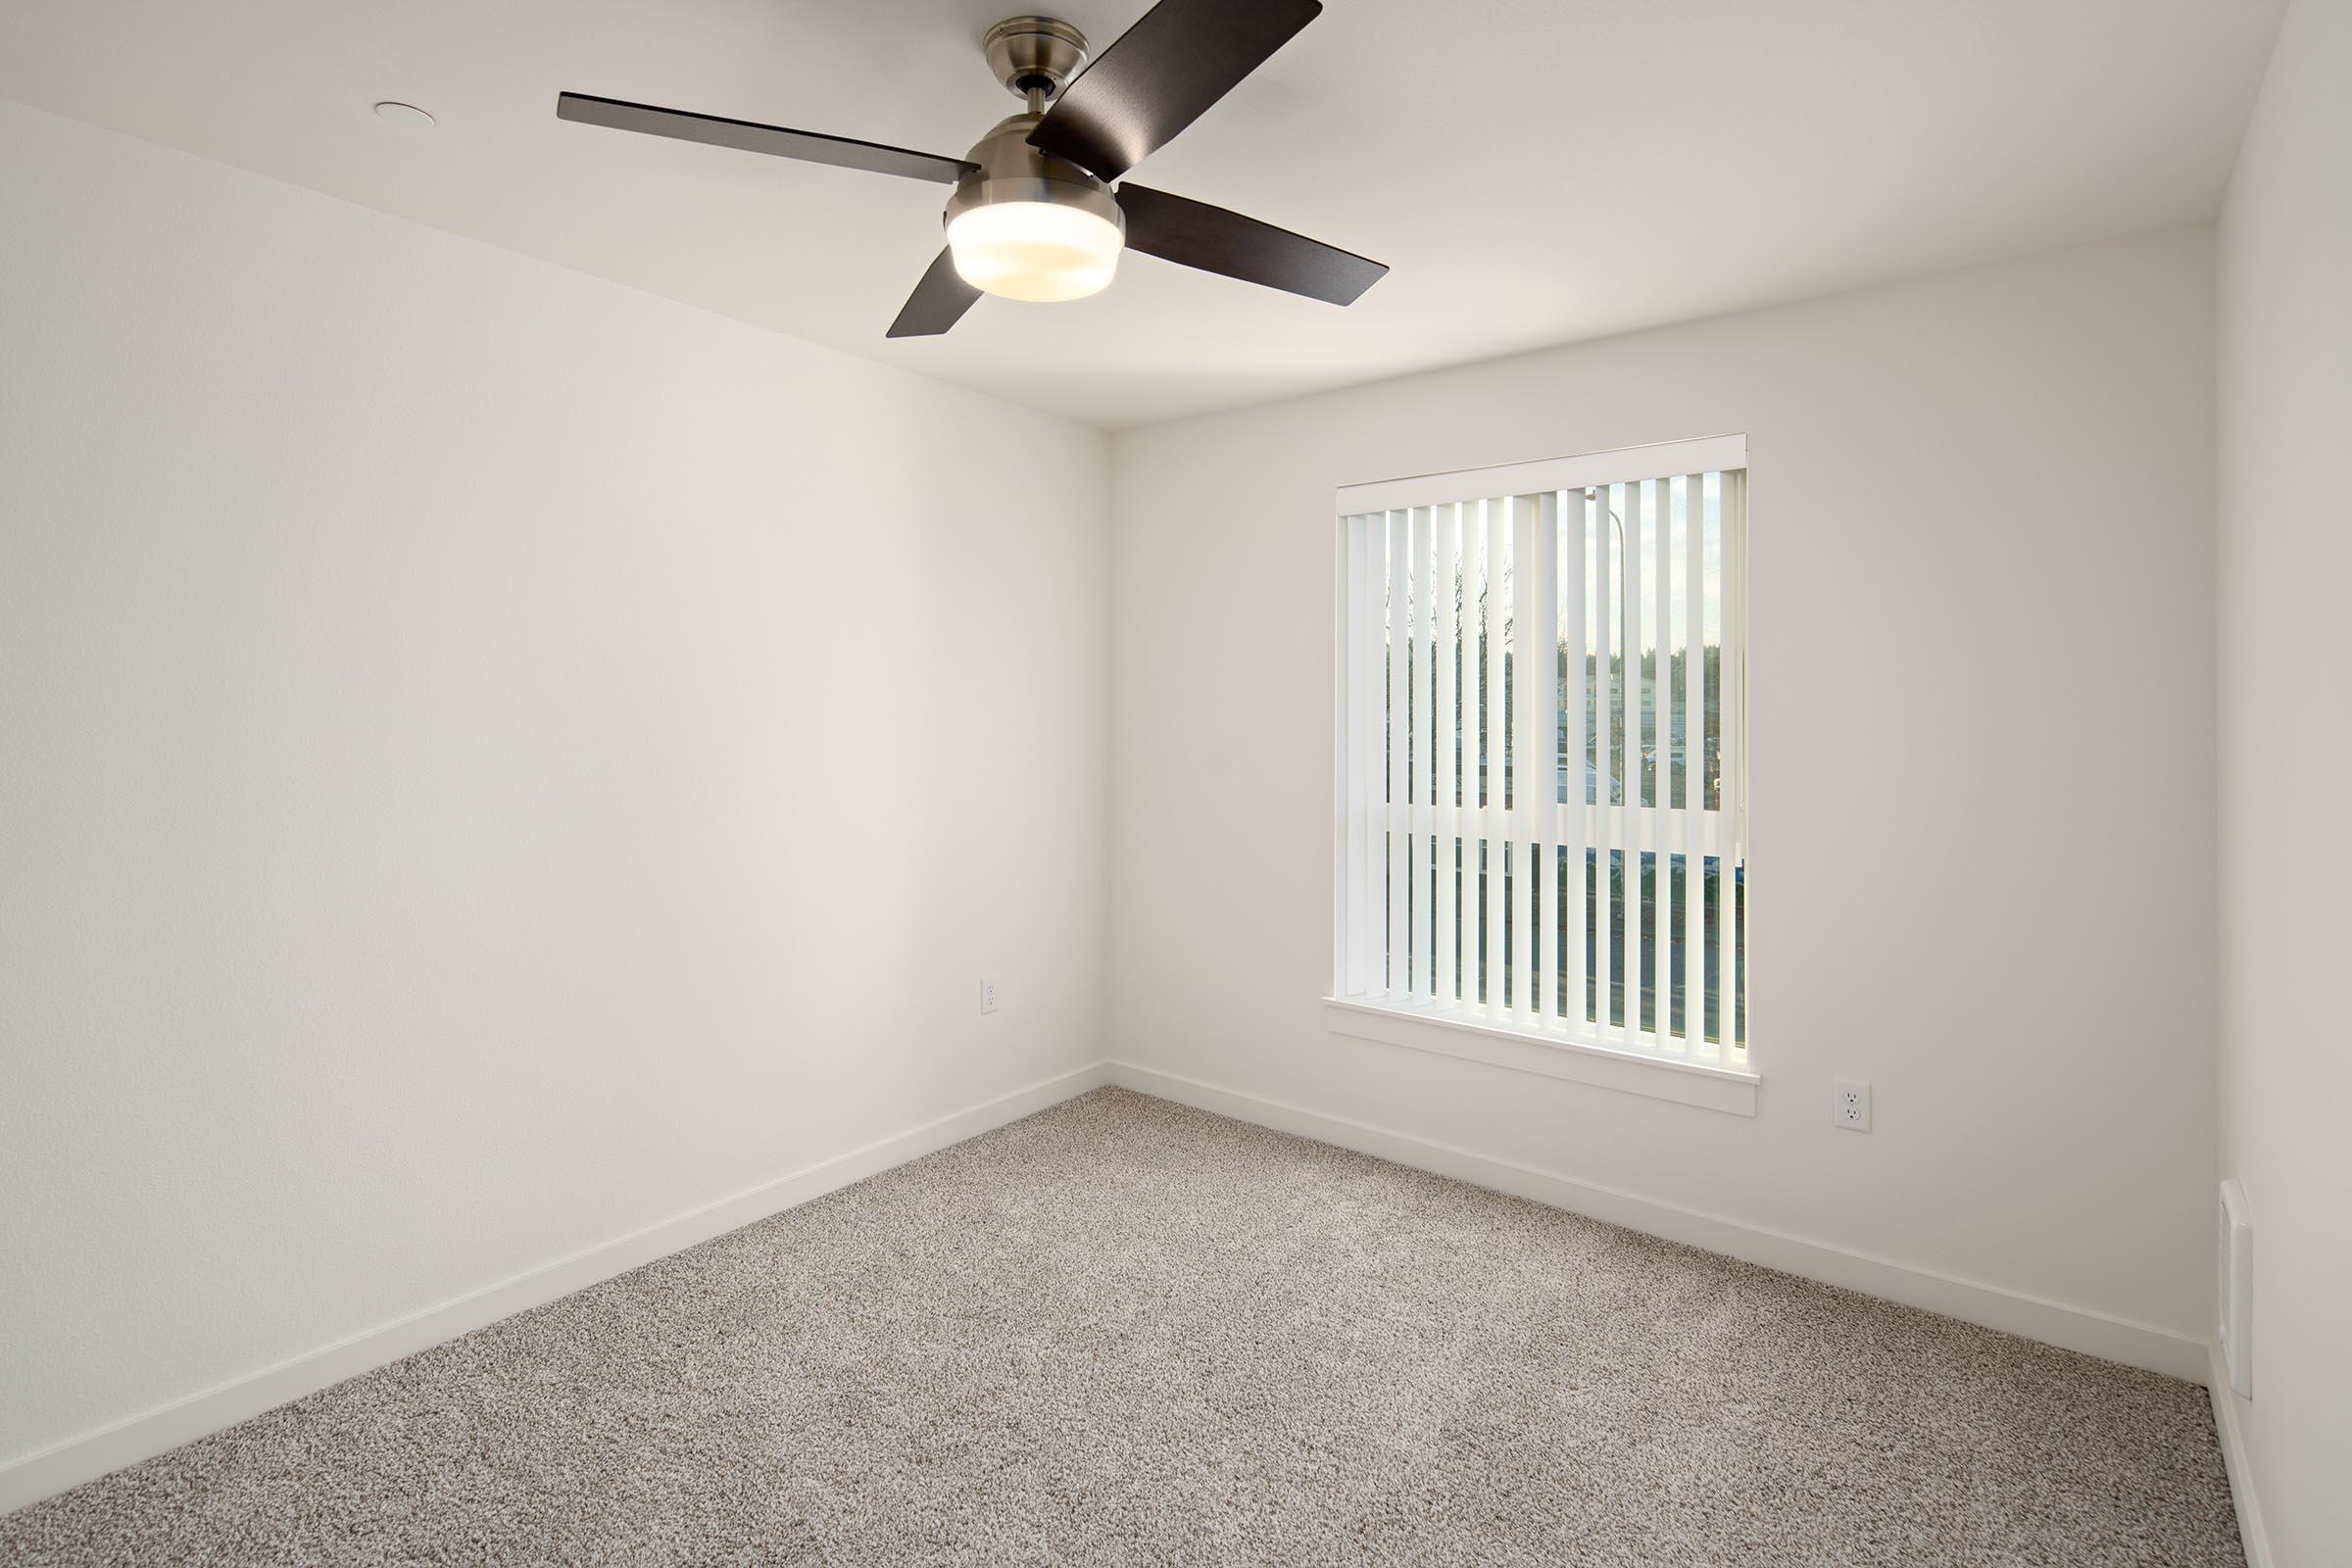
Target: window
[{"x": 1542, "y": 821}]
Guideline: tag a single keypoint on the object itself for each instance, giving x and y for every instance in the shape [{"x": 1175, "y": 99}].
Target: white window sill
[{"x": 1634, "y": 1072}]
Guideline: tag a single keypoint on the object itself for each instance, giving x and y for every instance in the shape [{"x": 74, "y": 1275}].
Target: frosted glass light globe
[{"x": 1039, "y": 251}]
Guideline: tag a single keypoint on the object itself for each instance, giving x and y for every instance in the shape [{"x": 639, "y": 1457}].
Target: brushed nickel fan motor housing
[
  {"x": 1012, "y": 171},
  {"x": 1034, "y": 54}
]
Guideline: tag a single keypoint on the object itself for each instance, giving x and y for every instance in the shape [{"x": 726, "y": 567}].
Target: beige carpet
[{"x": 1127, "y": 1332}]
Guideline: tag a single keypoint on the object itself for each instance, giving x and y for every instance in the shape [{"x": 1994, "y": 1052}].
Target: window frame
[{"x": 1721, "y": 1079}]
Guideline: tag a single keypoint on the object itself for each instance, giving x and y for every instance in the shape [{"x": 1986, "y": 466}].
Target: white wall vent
[{"x": 2237, "y": 1288}]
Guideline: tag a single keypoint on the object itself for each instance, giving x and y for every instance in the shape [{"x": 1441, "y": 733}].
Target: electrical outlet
[
  {"x": 988, "y": 993},
  {"x": 1849, "y": 1105}
]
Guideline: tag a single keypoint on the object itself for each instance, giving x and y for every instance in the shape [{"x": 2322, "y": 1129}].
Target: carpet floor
[{"x": 1124, "y": 1331}]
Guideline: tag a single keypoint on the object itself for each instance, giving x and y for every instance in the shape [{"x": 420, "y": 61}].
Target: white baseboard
[
  {"x": 2237, "y": 1461},
  {"x": 85, "y": 1458},
  {"x": 2072, "y": 1328},
  {"x": 152, "y": 1432}
]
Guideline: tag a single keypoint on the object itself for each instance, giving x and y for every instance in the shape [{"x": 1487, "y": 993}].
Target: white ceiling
[{"x": 1535, "y": 172}]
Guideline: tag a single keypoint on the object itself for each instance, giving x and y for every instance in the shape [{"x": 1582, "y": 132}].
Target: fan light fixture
[
  {"x": 1024, "y": 225},
  {"x": 1041, "y": 251}
]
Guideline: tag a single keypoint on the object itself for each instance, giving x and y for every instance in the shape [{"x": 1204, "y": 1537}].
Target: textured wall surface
[
  {"x": 2286, "y": 559},
  {"x": 1980, "y": 700},
  {"x": 489, "y": 760}
]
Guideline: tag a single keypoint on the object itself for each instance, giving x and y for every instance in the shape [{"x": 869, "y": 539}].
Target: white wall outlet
[
  {"x": 1849, "y": 1105},
  {"x": 988, "y": 993}
]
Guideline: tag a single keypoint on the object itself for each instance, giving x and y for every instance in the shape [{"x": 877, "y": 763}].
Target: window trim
[
  {"x": 1446, "y": 1030},
  {"x": 1660, "y": 460},
  {"x": 1445, "y": 1033}
]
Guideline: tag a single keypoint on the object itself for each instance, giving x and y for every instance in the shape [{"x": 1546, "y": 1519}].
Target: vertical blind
[{"x": 1543, "y": 738}]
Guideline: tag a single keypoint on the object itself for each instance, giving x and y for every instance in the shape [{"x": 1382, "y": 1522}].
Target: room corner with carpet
[
  {"x": 1123, "y": 1330},
  {"x": 1191, "y": 782}
]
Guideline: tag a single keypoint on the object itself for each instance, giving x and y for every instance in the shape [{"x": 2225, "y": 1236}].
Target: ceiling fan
[{"x": 1035, "y": 215}]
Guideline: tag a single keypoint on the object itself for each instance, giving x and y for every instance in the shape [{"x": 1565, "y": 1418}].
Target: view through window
[{"x": 1541, "y": 733}]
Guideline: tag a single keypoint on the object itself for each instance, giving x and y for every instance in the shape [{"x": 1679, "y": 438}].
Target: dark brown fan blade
[
  {"x": 806, "y": 145},
  {"x": 1176, "y": 228},
  {"x": 938, "y": 302},
  {"x": 1159, "y": 75}
]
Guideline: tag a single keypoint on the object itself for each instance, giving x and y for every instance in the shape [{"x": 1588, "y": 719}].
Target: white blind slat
[
  {"x": 1606, "y": 529},
  {"x": 1542, "y": 673},
  {"x": 1399, "y": 627},
  {"x": 1661, "y": 706},
  {"x": 1635, "y": 943},
  {"x": 1356, "y": 944},
  {"x": 1466, "y": 531},
  {"x": 1734, "y": 503},
  {"x": 1443, "y": 767},
  {"x": 1527, "y": 749},
  {"x": 1372, "y": 754},
  {"x": 1416, "y": 771},
  {"x": 1575, "y": 547},
  {"x": 1491, "y": 520},
  {"x": 1694, "y": 749}
]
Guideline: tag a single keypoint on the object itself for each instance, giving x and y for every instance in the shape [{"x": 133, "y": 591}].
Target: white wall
[
  {"x": 1982, "y": 716},
  {"x": 2286, "y": 939},
  {"x": 488, "y": 761}
]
